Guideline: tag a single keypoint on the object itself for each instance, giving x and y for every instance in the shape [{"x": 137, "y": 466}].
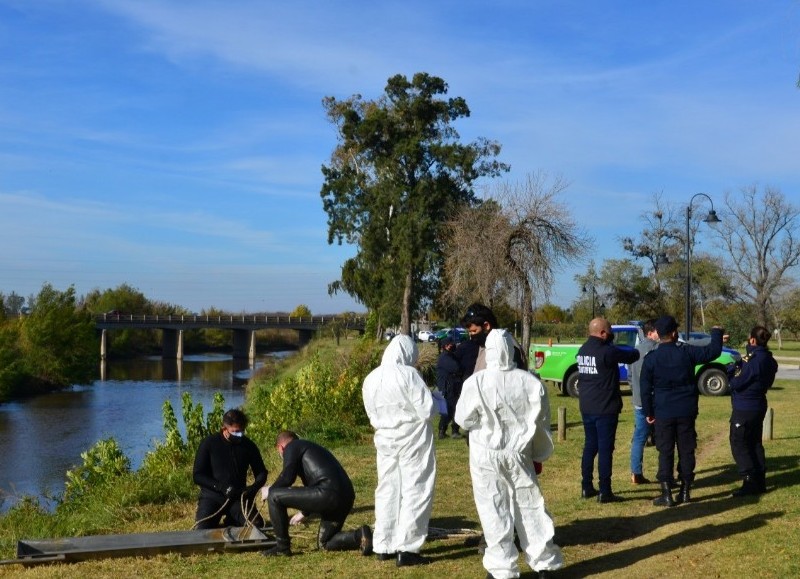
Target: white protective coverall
[
  {"x": 401, "y": 409},
  {"x": 507, "y": 414}
]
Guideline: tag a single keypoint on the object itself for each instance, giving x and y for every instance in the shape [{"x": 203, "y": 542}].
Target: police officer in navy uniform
[
  {"x": 449, "y": 381},
  {"x": 600, "y": 403},
  {"x": 670, "y": 401},
  {"x": 753, "y": 376}
]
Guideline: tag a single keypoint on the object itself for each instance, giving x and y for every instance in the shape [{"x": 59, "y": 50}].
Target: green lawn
[{"x": 714, "y": 536}]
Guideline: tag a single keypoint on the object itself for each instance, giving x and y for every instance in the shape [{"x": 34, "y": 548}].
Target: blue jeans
[
  {"x": 600, "y": 430},
  {"x": 640, "y": 431}
]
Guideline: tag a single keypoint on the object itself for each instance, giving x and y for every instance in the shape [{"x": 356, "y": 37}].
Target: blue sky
[{"x": 176, "y": 146}]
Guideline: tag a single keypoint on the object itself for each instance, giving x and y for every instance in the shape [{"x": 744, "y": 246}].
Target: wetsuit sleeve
[
  {"x": 202, "y": 468},
  {"x": 292, "y": 458}
]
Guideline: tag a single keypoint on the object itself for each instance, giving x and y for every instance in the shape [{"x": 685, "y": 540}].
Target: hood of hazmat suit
[
  {"x": 505, "y": 408},
  {"x": 396, "y": 397}
]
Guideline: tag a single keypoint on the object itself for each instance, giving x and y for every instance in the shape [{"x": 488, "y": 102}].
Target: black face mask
[
  {"x": 479, "y": 338},
  {"x": 749, "y": 348},
  {"x": 610, "y": 338}
]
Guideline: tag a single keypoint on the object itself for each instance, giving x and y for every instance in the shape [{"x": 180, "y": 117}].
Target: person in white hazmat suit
[
  {"x": 401, "y": 410},
  {"x": 507, "y": 414}
]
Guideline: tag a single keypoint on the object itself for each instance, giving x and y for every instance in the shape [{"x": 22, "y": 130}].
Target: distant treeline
[{"x": 49, "y": 341}]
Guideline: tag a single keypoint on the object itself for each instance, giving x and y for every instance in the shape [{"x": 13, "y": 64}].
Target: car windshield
[{"x": 625, "y": 337}]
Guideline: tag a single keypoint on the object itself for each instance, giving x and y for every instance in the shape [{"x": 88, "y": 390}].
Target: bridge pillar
[
  {"x": 244, "y": 344},
  {"x": 172, "y": 344},
  {"x": 305, "y": 336},
  {"x": 103, "y": 344}
]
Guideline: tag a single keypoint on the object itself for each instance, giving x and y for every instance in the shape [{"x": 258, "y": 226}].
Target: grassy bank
[{"x": 715, "y": 536}]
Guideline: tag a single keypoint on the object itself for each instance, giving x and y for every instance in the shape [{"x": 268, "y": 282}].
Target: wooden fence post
[
  {"x": 768, "y": 420},
  {"x": 562, "y": 423}
]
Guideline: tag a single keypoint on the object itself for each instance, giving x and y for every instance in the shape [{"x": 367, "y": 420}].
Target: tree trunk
[
  {"x": 527, "y": 314},
  {"x": 405, "y": 314}
]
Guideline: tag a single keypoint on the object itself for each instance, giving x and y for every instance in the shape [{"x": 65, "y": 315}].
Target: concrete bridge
[{"x": 243, "y": 327}]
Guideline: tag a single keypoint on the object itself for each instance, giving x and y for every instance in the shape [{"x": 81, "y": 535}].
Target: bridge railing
[{"x": 229, "y": 319}]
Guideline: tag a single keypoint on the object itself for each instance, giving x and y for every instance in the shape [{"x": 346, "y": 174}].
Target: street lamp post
[
  {"x": 711, "y": 219},
  {"x": 594, "y": 296}
]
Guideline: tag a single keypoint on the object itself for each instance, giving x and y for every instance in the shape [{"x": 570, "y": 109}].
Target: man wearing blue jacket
[
  {"x": 749, "y": 384},
  {"x": 600, "y": 402},
  {"x": 670, "y": 401}
]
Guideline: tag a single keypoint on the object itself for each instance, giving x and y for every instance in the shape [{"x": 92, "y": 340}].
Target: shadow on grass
[
  {"x": 466, "y": 547},
  {"x": 622, "y": 559},
  {"x": 782, "y": 471},
  {"x": 455, "y": 522}
]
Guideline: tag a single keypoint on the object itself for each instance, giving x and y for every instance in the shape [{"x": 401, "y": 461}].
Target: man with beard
[
  {"x": 479, "y": 321},
  {"x": 220, "y": 470}
]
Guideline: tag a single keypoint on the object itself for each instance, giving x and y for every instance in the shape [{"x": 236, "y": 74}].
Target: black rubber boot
[
  {"x": 332, "y": 539},
  {"x": 365, "y": 540},
  {"x": 749, "y": 487},
  {"x": 408, "y": 559},
  {"x": 761, "y": 482},
  {"x": 684, "y": 494},
  {"x": 665, "y": 500}
]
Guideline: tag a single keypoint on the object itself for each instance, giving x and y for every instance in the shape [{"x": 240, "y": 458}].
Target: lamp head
[{"x": 712, "y": 218}]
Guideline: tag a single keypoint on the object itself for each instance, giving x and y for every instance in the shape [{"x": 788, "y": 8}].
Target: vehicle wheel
[
  {"x": 571, "y": 384},
  {"x": 713, "y": 382}
]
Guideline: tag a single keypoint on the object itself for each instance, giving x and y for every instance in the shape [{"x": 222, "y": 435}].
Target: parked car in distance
[
  {"x": 698, "y": 338},
  {"x": 458, "y": 334},
  {"x": 426, "y": 336}
]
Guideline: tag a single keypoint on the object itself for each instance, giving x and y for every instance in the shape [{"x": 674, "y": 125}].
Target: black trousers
[
  {"x": 746, "y": 433},
  {"x": 332, "y": 506},
  {"x": 451, "y": 398},
  {"x": 672, "y": 432},
  {"x": 208, "y": 505}
]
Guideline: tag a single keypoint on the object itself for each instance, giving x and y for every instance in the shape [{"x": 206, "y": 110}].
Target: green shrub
[
  {"x": 102, "y": 464},
  {"x": 167, "y": 459},
  {"x": 322, "y": 400}
]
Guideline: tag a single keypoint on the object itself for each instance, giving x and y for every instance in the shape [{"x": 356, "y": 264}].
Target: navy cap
[{"x": 665, "y": 325}]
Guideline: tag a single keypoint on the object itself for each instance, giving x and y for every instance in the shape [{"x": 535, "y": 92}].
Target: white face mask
[{"x": 235, "y": 437}]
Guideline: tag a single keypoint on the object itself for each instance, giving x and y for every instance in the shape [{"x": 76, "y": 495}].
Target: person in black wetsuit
[
  {"x": 220, "y": 470},
  {"x": 327, "y": 491}
]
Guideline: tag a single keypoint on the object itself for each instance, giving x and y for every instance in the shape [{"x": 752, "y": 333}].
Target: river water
[{"x": 43, "y": 437}]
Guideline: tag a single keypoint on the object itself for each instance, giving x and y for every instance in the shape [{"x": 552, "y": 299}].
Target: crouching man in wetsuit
[
  {"x": 220, "y": 470},
  {"x": 327, "y": 490}
]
